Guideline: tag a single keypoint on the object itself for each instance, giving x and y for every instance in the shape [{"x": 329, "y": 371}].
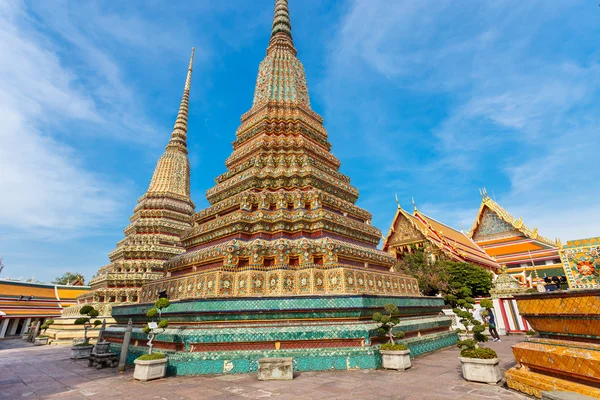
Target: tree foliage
[
  {"x": 68, "y": 277},
  {"x": 88, "y": 313},
  {"x": 477, "y": 279},
  {"x": 432, "y": 276},
  {"x": 152, "y": 315}
]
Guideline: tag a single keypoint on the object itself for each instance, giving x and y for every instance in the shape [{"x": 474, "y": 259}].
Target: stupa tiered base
[
  {"x": 230, "y": 335},
  {"x": 566, "y": 356}
]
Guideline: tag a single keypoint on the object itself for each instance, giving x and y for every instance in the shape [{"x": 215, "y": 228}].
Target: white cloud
[
  {"x": 45, "y": 190},
  {"x": 519, "y": 111}
]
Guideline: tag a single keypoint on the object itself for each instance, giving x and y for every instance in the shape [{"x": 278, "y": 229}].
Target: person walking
[{"x": 491, "y": 320}]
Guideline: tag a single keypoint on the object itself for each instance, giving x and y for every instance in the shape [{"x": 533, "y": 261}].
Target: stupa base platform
[
  {"x": 218, "y": 336},
  {"x": 64, "y": 331},
  {"x": 566, "y": 356}
]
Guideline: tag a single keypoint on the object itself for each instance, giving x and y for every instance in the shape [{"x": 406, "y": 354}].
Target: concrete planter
[
  {"x": 146, "y": 370},
  {"x": 481, "y": 370},
  {"x": 102, "y": 347},
  {"x": 276, "y": 368},
  {"x": 395, "y": 359},
  {"x": 80, "y": 352},
  {"x": 25, "y": 336},
  {"x": 40, "y": 341}
]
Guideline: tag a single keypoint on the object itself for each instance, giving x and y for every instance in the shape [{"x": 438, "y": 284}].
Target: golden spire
[
  {"x": 414, "y": 204},
  {"x": 179, "y": 135},
  {"x": 172, "y": 172}
]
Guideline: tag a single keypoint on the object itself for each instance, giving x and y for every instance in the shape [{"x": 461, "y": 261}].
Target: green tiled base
[{"x": 239, "y": 362}]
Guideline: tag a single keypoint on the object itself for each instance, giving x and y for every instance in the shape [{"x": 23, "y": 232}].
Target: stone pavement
[{"x": 28, "y": 372}]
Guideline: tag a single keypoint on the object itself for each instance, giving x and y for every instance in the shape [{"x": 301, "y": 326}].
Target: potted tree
[
  {"x": 479, "y": 364},
  {"x": 84, "y": 349},
  {"x": 393, "y": 356},
  {"x": 42, "y": 340},
  {"x": 153, "y": 365}
]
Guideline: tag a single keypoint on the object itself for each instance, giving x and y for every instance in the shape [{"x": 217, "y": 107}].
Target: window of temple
[
  {"x": 112, "y": 299},
  {"x": 101, "y": 299},
  {"x": 134, "y": 299},
  {"x": 242, "y": 262},
  {"x": 294, "y": 261},
  {"x": 269, "y": 262},
  {"x": 272, "y": 207},
  {"x": 318, "y": 260},
  {"x": 254, "y": 207},
  {"x": 123, "y": 299},
  {"x": 290, "y": 206}
]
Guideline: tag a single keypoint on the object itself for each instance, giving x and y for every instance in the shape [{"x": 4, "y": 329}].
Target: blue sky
[{"x": 431, "y": 99}]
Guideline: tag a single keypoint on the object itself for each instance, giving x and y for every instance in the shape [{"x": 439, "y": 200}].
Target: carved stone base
[{"x": 278, "y": 369}]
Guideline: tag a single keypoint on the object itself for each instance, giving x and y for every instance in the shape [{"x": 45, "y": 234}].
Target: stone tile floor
[{"x": 46, "y": 372}]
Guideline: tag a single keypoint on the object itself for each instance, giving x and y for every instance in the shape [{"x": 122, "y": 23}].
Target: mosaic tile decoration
[
  {"x": 581, "y": 261},
  {"x": 533, "y": 384},
  {"x": 235, "y": 362},
  {"x": 565, "y": 356}
]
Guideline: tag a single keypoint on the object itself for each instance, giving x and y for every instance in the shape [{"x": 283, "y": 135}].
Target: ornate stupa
[
  {"x": 160, "y": 217},
  {"x": 282, "y": 256}
]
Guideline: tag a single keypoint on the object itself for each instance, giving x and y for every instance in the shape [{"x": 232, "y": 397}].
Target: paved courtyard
[{"x": 28, "y": 372}]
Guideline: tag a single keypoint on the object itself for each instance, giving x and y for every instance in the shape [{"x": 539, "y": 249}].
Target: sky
[{"x": 432, "y": 99}]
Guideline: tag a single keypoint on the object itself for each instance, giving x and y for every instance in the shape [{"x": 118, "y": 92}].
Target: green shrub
[
  {"x": 467, "y": 344},
  {"x": 481, "y": 352},
  {"x": 393, "y": 347},
  {"x": 531, "y": 332},
  {"x": 43, "y": 336},
  {"x": 81, "y": 321},
  {"x": 153, "y": 312},
  {"x": 85, "y": 310},
  {"x": 388, "y": 321},
  {"x": 82, "y": 344},
  {"x": 486, "y": 303},
  {"x": 153, "y": 356}
]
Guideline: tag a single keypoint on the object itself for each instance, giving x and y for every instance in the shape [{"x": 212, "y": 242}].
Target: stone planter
[
  {"x": 481, "y": 370},
  {"x": 146, "y": 370},
  {"x": 102, "y": 347},
  {"x": 80, "y": 352},
  {"x": 25, "y": 336},
  {"x": 395, "y": 359},
  {"x": 463, "y": 336},
  {"x": 276, "y": 368},
  {"x": 40, "y": 341}
]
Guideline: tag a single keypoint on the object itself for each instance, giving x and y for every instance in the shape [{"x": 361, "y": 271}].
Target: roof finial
[
  {"x": 179, "y": 135},
  {"x": 281, "y": 33},
  {"x": 397, "y": 202},
  {"x": 414, "y": 205}
]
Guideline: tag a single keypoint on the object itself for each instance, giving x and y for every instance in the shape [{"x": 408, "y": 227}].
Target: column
[
  {"x": 24, "y": 328},
  {"x": 499, "y": 314},
  {"x": 3, "y": 326},
  {"x": 12, "y": 330}
]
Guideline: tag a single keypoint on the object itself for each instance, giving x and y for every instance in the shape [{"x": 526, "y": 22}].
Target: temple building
[
  {"x": 282, "y": 263},
  {"x": 419, "y": 231},
  {"x": 160, "y": 217},
  {"x": 528, "y": 256},
  {"x": 23, "y": 303}
]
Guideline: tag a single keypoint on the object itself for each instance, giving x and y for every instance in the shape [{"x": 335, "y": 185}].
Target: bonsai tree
[
  {"x": 46, "y": 325},
  {"x": 89, "y": 312},
  {"x": 156, "y": 324},
  {"x": 462, "y": 303},
  {"x": 387, "y": 322},
  {"x": 470, "y": 349}
]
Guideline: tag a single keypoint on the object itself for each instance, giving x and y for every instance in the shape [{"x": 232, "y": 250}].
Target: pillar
[
  {"x": 500, "y": 322},
  {"x": 24, "y": 328},
  {"x": 3, "y": 326},
  {"x": 12, "y": 329}
]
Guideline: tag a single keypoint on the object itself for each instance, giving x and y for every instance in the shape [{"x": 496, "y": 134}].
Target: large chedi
[
  {"x": 160, "y": 217},
  {"x": 282, "y": 219},
  {"x": 283, "y": 258}
]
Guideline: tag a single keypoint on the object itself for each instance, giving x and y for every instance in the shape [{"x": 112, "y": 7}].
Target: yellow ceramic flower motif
[{"x": 585, "y": 268}]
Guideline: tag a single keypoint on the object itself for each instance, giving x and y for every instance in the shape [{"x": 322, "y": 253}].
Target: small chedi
[
  {"x": 282, "y": 263},
  {"x": 160, "y": 217},
  {"x": 565, "y": 356},
  {"x": 528, "y": 256}
]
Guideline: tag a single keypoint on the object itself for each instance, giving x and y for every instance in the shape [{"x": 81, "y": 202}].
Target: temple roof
[
  {"x": 451, "y": 242},
  {"x": 488, "y": 205}
]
